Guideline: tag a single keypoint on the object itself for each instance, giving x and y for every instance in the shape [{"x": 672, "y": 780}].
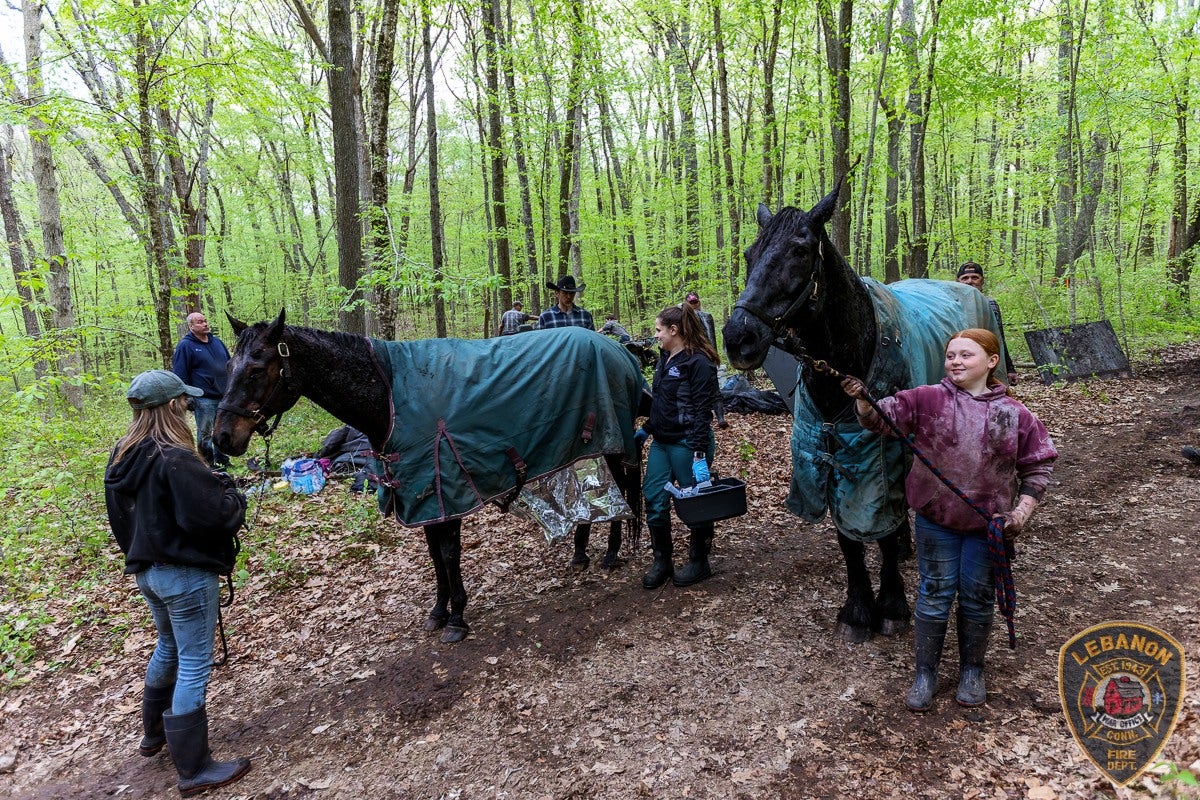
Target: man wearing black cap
[
  {"x": 564, "y": 313},
  {"x": 971, "y": 274}
]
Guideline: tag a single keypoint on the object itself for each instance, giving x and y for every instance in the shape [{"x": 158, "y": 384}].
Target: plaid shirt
[
  {"x": 554, "y": 317},
  {"x": 511, "y": 321}
]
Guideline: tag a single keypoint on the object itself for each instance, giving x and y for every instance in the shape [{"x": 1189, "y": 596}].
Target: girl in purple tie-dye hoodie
[{"x": 994, "y": 449}]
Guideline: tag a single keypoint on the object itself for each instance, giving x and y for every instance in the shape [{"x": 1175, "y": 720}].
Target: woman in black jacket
[
  {"x": 176, "y": 521},
  {"x": 685, "y": 389}
]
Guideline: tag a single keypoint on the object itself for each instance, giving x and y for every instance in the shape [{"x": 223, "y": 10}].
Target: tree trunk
[
  {"x": 731, "y": 188},
  {"x": 568, "y": 184},
  {"x": 678, "y": 41},
  {"x": 519, "y": 153},
  {"x": 10, "y": 215},
  {"x": 492, "y": 23},
  {"x": 342, "y": 107},
  {"x": 437, "y": 232},
  {"x": 891, "y": 204},
  {"x": 382, "y": 254},
  {"x": 49, "y": 213},
  {"x": 771, "y": 157},
  {"x": 837, "y": 57},
  {"x": 1064, "y": 207}
]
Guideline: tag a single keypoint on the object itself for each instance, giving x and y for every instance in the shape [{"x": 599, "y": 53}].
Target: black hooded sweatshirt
[
  {"x": 685, "y": 389},
  {"x": 166, "y": 506}
]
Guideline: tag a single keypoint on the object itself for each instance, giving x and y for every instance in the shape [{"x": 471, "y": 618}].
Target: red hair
[{"x": 990, "y": 344}]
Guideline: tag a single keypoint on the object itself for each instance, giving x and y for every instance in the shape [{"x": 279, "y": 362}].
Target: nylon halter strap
[{"x": 261, "y": 426}]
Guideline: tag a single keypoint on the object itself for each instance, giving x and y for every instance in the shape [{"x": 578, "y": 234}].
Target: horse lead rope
[{"x": 1002, "y": 552}]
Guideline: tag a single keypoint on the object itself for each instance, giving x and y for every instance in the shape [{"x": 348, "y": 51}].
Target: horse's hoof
[
  {"x": 580, "y": 563},
  {"x": 435, "y": 622},
  {"x": 453, "y": 634},
  {"x": 851, "y": 634},
  {"x": 892, "y": 627},
  {"x": 610, "y": 562}
]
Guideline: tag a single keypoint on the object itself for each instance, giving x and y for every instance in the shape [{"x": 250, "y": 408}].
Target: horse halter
[
  {"x": 261, "y": 427},
  {"x": 778, "y": 326}
]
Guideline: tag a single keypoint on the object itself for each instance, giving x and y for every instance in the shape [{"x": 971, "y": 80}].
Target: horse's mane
[{"x": 336, "y": 338}]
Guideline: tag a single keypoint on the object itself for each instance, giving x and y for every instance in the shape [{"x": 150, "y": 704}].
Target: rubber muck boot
[
  {"x": 972, "y": 646},
  {"x": 187, "y": 736},
  {"x": 662, "y": 568},
  {"x": 697, "y": 568},
  {"x": 929, "y": 637},
  {"x": 155, "y": 700}
]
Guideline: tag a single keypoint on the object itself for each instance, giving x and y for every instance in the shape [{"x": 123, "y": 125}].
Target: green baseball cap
[{"x": 156, "y": 387}]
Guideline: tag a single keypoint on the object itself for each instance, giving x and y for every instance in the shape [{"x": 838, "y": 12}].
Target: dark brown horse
[
  {"x": 802, "y": 295},
  {"x": 456, "y": 424}
]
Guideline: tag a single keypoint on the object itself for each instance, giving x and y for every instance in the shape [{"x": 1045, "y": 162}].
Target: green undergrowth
[{"x": 60, "y": 568}]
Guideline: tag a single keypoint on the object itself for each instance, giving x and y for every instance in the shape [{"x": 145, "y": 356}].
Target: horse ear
[
  {"x": 274, "y": 332},
  {"x": 823, "y": 210},
  {"x": 235, "y": 323},
  {"x": 764, "y": 215}
]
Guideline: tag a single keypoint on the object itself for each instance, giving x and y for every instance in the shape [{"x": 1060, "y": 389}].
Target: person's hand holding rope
[
  {"x": 1015, "y": 520},
  {"x": 858, "y": 390}
]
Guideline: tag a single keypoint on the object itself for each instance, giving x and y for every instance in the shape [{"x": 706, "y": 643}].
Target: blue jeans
[
  {"x": 953, "y": 562},
  {"x": 206, "y": 417},
  {"x": 183, "y": 602},
  {"x": 667, "y": 462}
]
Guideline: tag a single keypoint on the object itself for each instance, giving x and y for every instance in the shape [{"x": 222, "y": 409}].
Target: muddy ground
[{"x": 584, "y": 685}]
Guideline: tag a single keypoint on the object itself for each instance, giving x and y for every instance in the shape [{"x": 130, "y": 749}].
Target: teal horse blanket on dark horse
[
  {"x": 474, "y": 419},
  {"x": 839, "y": 465}
]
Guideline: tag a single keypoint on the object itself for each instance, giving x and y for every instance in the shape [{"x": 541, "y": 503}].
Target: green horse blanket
[{"x": 475, "y": 419}]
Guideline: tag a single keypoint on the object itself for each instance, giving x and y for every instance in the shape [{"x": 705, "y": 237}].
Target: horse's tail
[{"x": 633, "y": 496}]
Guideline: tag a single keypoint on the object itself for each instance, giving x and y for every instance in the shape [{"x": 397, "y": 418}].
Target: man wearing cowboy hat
[{"x": 565, "y": 314}]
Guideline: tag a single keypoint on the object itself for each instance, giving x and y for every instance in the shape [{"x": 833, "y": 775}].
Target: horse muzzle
[{"x": 746, "y": 340}]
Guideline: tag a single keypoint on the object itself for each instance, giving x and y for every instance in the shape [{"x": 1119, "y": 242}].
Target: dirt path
[{"x": 588, "y": 686}]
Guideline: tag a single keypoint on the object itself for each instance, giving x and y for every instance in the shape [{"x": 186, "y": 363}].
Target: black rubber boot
[
  {"x": 972, "y": 646},
  {"x": 697, "y": 568},
  {"x": 187, "y": 736},
  {"x": 929, "y": 637},
  {"x": 662, "y": 568},
  {"x": 1191, "y": 454},
  {"x": 155, "y": 700}
]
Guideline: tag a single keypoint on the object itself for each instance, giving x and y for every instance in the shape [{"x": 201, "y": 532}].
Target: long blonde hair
[{"x": 164, "y": 425}]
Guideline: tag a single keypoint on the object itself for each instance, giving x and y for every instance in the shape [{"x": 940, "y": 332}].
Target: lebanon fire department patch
[{"x": 1121, "y": 685}]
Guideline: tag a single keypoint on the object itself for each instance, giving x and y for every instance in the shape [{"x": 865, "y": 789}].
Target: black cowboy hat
[{"x": 565, "y": 284}]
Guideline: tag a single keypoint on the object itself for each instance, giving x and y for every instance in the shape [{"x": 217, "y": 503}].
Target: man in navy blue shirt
[
  {"x": 199, "y": 361},
  {"x": 564, "y": 313}
]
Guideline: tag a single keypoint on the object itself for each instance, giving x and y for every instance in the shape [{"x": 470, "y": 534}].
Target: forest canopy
[{"x": 409, "y": 169}]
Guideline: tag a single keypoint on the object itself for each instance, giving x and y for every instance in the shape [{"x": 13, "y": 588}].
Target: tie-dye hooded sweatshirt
[{"x": 991, "y": 446}]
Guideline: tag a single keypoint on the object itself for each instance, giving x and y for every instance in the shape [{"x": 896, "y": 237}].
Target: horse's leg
[
  {"x": 612, "y": 555},
  {"x": 438, "y": 615},
  {"x": 891, "y": 606},
  {"x": 580, "y": 560},
  {"x": 854, "y": 620},
  {"x": 449, "y": 536},
  {"x": 904, "y": 541}
]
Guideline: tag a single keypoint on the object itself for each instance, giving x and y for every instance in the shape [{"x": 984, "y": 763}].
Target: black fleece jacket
[
  {"x": 685, "y": 388},
  {"x": 166, "y": 506}
]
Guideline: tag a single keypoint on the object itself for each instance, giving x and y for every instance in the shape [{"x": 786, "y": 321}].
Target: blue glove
[
  {"x": 700, "y": 470},
  {"x": 640, "y": 436}
]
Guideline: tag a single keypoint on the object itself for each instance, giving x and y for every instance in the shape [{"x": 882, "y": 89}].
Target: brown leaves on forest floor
[{"x": 584, "y": 685}]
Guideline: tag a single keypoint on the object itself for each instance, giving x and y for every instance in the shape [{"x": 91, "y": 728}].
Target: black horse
[
  {"x": 466, "y": 430},
  {"x": 801, "y": 294}
]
